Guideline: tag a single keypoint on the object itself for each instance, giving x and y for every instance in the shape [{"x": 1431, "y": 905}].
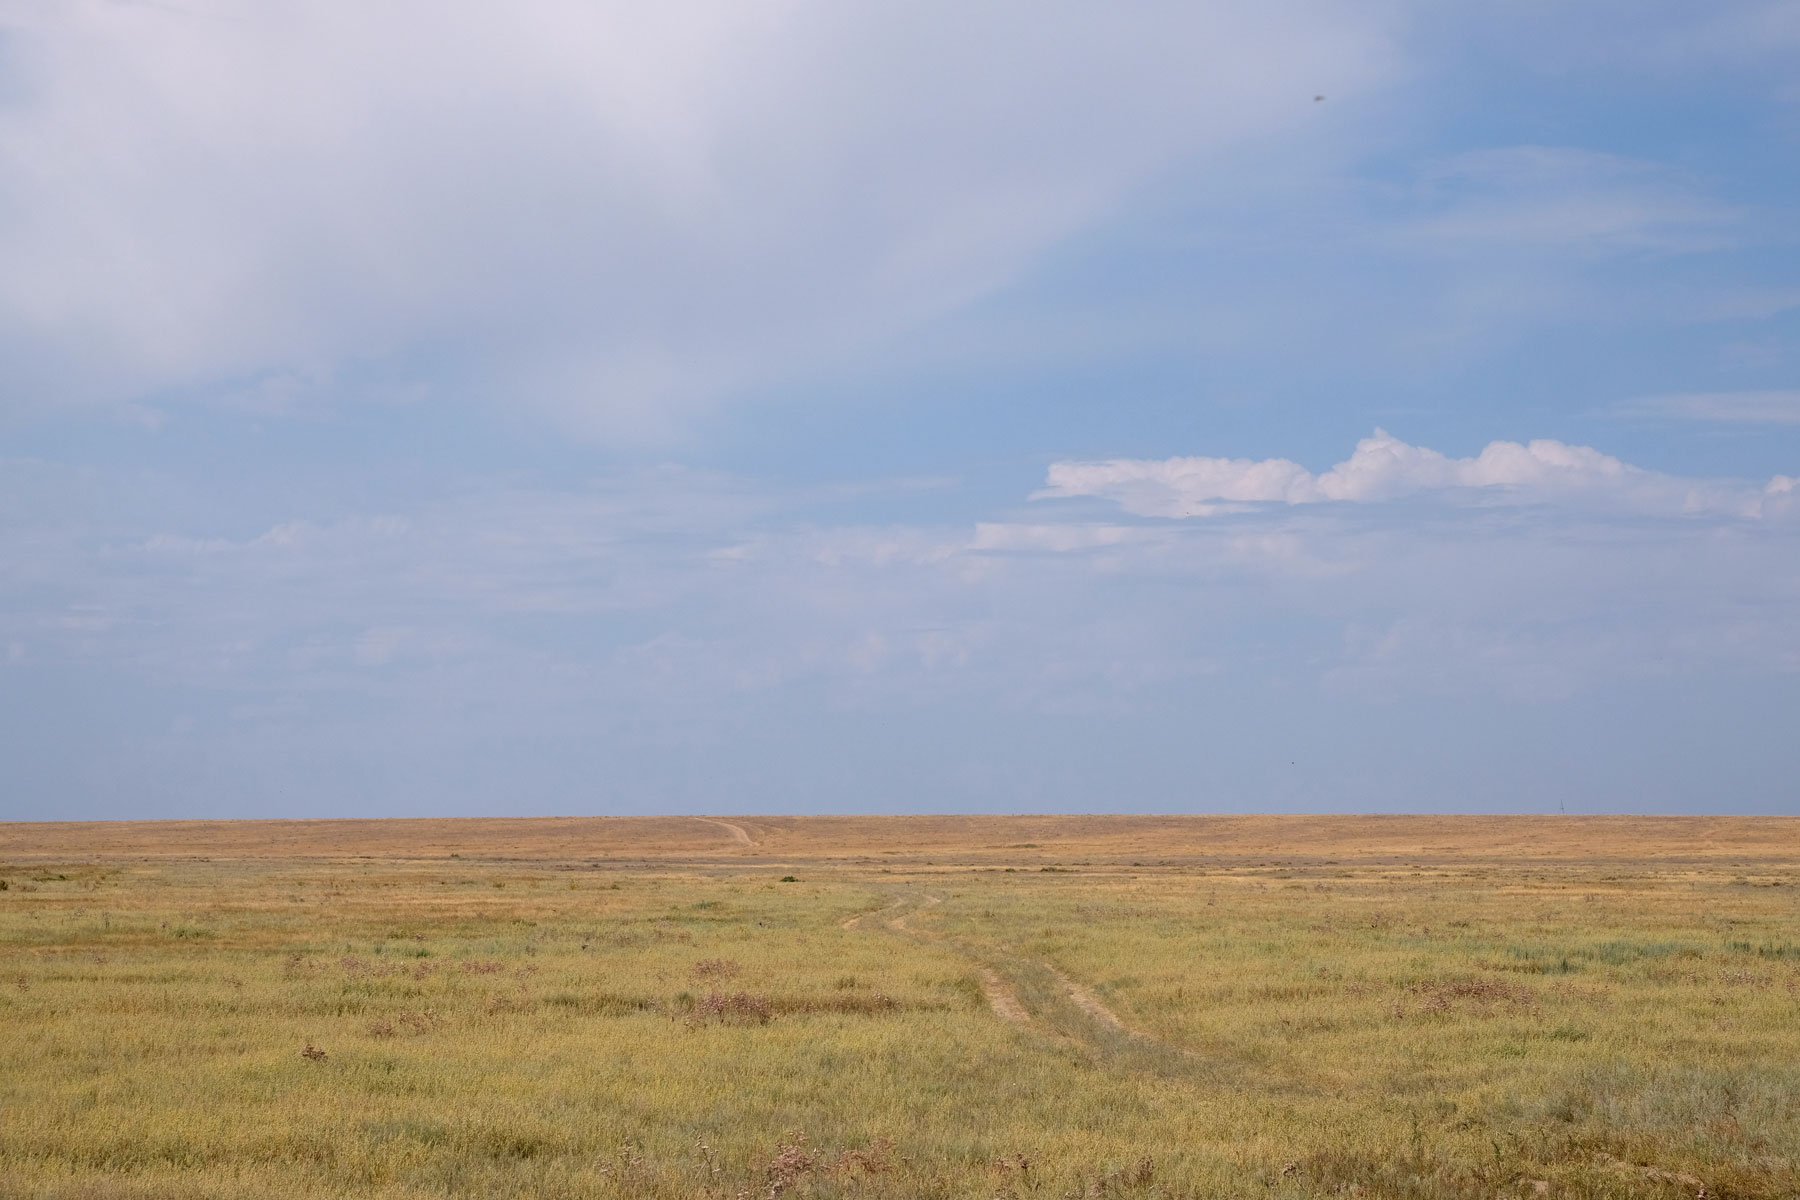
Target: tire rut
[
  {"x": 1002, "y": 998},
  {"x": 1083, "y": 997},
  {"x": 856, "y": 921}
]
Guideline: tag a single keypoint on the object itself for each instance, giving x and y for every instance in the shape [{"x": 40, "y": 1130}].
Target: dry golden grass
[
  {"x": 1006, "y": 1006},
  {"x": 968, "y": 839}
]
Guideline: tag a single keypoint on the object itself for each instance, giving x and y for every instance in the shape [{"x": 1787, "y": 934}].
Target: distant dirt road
[{"x": 738, "y": 833}]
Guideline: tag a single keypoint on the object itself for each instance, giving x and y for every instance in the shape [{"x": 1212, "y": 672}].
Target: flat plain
[{"x": 902, "y": 1007}]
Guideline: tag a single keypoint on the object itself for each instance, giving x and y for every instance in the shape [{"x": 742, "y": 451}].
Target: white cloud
[
  {"x": 609, "y": 211},
  {"x": 1385, "y": 468},
  {"x": 518, "y": 632}
]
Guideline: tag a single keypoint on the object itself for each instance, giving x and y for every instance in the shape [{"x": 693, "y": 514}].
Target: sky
[{"x": 443, "y": 408}]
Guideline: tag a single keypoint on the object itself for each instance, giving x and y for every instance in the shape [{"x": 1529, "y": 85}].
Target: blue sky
[{"x": 445, "y": 408}]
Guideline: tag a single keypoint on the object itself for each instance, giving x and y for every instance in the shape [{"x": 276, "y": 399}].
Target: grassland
[{"x": 902, "y": 1007}]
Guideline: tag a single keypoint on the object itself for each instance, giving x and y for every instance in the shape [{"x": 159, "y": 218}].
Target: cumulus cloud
[
  {"x": 1385, "y": 468},
  {"x": 614, "y": 213},
  {"x": 507, "y": 642}
]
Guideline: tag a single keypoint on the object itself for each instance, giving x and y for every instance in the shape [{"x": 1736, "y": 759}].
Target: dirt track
[
  {"x": 1002, "y": 999},
  {"x": 738, "y": 833},
  {"x": 1084, "y": 999},
  {"x": 999, "y": 993}
]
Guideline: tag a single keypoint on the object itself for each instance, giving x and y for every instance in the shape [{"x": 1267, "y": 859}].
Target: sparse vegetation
[{"x": 1267, "y": 1010}]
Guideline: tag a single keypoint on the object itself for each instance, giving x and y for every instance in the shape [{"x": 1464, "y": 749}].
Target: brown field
[
  {"x": 902, "y": 1006},
  {"x": 970, "y": 839}
]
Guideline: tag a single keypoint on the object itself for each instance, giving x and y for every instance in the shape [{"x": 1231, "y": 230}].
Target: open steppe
[{"x": 902, "y": 1007}]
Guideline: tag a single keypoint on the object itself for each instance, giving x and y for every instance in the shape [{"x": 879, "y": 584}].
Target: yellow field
[{"x": 902, "y": 1007}]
